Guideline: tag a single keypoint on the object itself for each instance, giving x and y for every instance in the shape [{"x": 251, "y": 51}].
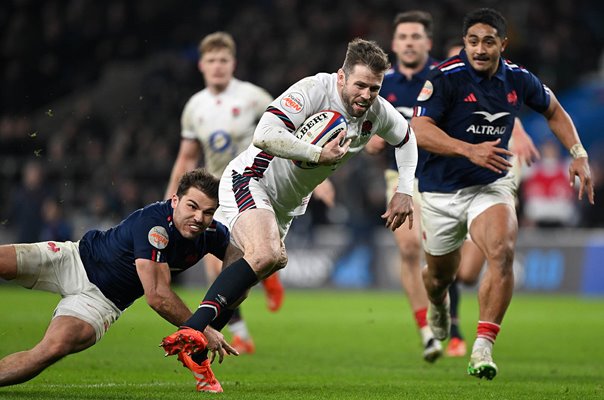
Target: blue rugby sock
[{"x": 230, "y": 285}]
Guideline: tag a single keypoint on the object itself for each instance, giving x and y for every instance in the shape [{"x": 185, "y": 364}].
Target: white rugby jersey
[
  {"x": 288, "y": 185},
  {"x": 224, "y": 123}
]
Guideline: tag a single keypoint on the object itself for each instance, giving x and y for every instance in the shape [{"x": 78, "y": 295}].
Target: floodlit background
[{"x": 91, "y": 96}]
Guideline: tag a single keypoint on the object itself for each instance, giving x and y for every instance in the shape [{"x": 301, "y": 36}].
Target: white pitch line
[{"x": 109, "y": 384}]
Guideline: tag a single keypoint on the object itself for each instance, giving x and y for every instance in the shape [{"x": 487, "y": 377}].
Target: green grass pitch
[{"x": 323, "y": 345}]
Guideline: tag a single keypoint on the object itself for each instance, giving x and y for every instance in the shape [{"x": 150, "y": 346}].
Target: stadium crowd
[{"x": 92, "y": 91}]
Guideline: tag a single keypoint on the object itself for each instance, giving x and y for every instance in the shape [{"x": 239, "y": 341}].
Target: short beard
[{"x": 411, "y": 65}]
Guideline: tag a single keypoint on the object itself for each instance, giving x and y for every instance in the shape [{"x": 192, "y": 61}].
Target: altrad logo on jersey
[{"x": 488, "y": 129}]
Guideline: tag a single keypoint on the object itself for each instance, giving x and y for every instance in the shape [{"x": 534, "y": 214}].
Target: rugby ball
[{"x": 319, "y": 129}]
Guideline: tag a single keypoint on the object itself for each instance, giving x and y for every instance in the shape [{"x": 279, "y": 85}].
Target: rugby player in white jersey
[
  {"x": 218, "y": 122},
  {"x": 262, "y": 190}
]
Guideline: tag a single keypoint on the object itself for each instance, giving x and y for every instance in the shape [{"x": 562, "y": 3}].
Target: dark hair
[
  {"x": 486, "y": 16},
  {"x": 367, "y": 53},
  {"x": 421, "y": 17},
  {"x": 199, "y": 179}
]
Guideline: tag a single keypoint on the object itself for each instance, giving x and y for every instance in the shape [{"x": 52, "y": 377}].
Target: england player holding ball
[{"x": 262, "y": 190}]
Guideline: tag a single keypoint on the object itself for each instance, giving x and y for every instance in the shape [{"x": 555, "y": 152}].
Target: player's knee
[
  {"x": 502, "y": 254},
  {"x": 281, "y": 260},
  {"x": 409, "y": 246},
  {"x": 467, "y": 279},
  {"x": 264, "y": 262}
]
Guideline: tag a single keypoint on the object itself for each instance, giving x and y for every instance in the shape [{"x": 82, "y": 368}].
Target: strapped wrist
[{"x": 578, "y": 151}]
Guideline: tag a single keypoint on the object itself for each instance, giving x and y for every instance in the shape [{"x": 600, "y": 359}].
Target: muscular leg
[
  {"x": 494, "y": 232},
  {"x": 472, "y": 260},
  {"x": 65, "y": 335},
  {"x": 439, "y": 274},
  {"x": 409, "y": 246},
  {"x": 260, "y": 257},
  {"x": 242, "y": 339},
  {"x": 8, "y": 262}
]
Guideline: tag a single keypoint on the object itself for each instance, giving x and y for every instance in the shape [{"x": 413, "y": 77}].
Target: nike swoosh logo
[{"x": 491, "y": 117}]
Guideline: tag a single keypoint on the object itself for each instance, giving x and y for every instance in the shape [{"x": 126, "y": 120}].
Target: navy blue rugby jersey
[
  {"x": 474, "y": 109},
  {"x": 402, "y": 93},
  {"x": 148, "y": 233}
]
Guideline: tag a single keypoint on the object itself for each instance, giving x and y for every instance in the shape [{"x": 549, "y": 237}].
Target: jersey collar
[{"x": 499, "y": 74}]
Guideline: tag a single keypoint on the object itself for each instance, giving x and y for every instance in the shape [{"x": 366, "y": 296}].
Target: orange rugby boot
[{"x": 274, "y": 292}]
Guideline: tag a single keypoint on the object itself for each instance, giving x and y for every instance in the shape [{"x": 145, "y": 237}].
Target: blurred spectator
[
  {"x": 548, "y": 198},
  {"x": 55, "y": 226},
  {"x": 25, "y": 210},
  {"x": 93, "y": 88}
]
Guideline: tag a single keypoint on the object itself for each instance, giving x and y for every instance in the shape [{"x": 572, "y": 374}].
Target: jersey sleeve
[
  {"x": 394, "y": 127},
  {"x": 187, "y": 127},
  {"x": 433, "y": 99},
  {"x": 537, "y": 95},
  {"x": 217, "y": 239},
  {"x": 284, "y": 115},
  {"x": 150, "y": 237}
]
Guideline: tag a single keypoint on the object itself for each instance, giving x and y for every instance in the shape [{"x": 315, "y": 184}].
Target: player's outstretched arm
[
  {"x": 155, "y": 278},
  {"x": 563, "y": 127},
  {"x": 217, "y": 345},
  {"x": 400, "y": 209}
]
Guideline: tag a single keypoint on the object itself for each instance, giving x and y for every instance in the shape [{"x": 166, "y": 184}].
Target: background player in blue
[
  {"x": 411, "y": 44},
  {"x": 464, "y": 117},
  {"x": 99, "y": 276}
]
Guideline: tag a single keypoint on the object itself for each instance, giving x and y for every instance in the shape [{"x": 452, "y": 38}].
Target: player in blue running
[
  {"x": 411, "y": 44},
  {"x": 464, "y": 117},
  {"x": 102, "y": 274}
]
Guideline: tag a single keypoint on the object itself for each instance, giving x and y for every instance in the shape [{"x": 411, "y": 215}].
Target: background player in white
[
  {"x": 464, "y": 118},
  {"x": 218, "y": 123},
  {"x": 262, "y": 190}
]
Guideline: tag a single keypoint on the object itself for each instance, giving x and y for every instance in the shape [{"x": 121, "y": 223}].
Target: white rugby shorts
[
  {"x": 57, "y": 267},
  {"x": 238, "y": 194},
  {"x": 446, "y": 217}
]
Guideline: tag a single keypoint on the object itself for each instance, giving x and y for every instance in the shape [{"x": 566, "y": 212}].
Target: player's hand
[
  {"x": 335, "y": 150},
  {"x": 326, "y": 193},
  {"x": 489, "y": 156},
  {"x": 523, "y": 147},
  {"x": 375, "y": 145},
  {"x": 580, "y": 167},
  {"x": 217, "y": 345},
  {"x": 399, "y": 209}
]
